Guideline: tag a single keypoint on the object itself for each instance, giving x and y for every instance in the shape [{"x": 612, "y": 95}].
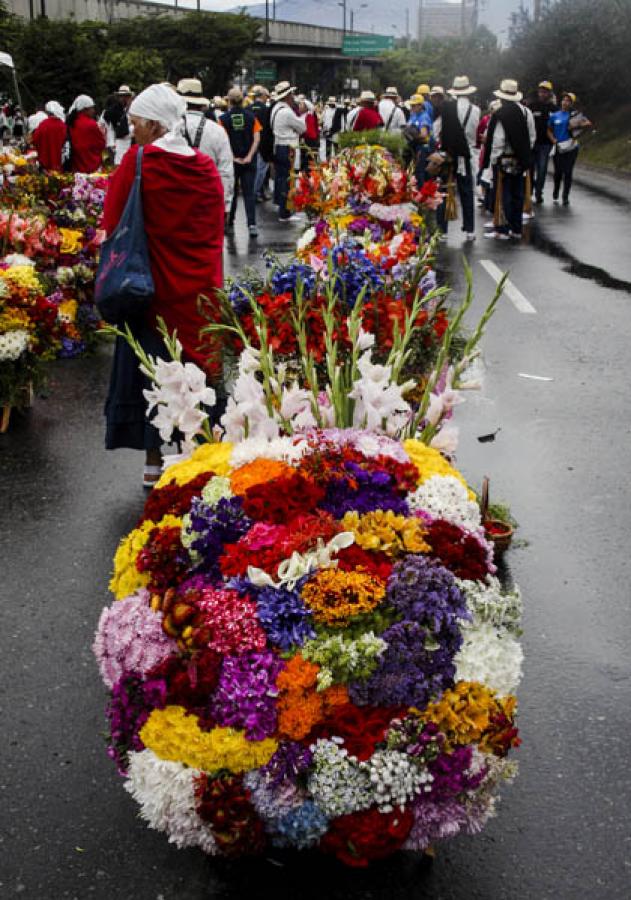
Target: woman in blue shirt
[{"x": 564, "y": 126}]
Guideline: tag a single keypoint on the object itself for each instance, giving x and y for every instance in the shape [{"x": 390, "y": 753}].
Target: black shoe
[
  {"x": 555, "y": 196},
  {"x": 566, "y": 201},
  {"x": 229, "y": 228},
  {"x": 539, "y": 200}
]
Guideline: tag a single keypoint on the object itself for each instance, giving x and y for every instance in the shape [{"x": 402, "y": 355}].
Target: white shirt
[
  {"x": 36, "y": 119},
  {"x": 215, "y": 143},
  {"x": 327, "y": 118},
  {"x": 286, "y": 125},
  {"x": 350, "y": 118},
  {"x": 463, "y": 104},
  {"x": 386, "y": 107},
  {"x": 501, "y": 145}
]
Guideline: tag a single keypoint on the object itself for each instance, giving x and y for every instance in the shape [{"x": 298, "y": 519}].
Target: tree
[{"x": 135, "y": 67}]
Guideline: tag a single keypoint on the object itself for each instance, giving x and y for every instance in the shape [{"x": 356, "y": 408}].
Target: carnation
[
  {"x": 130, "y": 639},
  {"x": 444, "y": 497}
]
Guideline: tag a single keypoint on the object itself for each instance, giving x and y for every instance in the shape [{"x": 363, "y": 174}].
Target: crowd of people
[{"x": 196, "y": 155}]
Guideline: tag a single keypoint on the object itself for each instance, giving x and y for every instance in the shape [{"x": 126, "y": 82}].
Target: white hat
[
  {"x": 159, "y": 103},
  {"x": 390, "y": 92},
  {"x": 366, "y": 95},
  {"x": 332, "y": 100},
  {"x": 509, "y": 90},
  {"x": 83, "y": 101},
  {"x": 437, "y": 89},
  {"x": 54, "y": 108},
  {"x": 283, "y": 89},
  {"x": 461, "y": 87},
  {"x": 191, "y": 90},
  {"x": 125, "y": 89}
]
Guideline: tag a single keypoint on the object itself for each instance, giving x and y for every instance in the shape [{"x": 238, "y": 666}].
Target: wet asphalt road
[{"x": 69, "y": 830}]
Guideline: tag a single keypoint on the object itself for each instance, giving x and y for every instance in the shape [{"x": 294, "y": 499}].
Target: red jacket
[
  {"x": 88, "y": 144},
  {"x": 313, "y": 130},
  {"x": 48, "y": 139},
  {"x": 367, "y": 118},
  {"x": 184, "y": 219}
]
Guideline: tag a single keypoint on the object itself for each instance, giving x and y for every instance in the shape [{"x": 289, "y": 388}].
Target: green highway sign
[
  {"x": 266, "y": 72},
  {"x": 366, "y": 44}
]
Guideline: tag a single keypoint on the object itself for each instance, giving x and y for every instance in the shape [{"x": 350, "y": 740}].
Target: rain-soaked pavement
[{"x": 69, "y": 830}]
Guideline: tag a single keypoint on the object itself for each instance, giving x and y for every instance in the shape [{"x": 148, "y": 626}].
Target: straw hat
[
  {"x": 125, "y": 91},
  {"x": 509, "y": 90},
  {"x": 219, "y": 102},
  {"x": 191, "y": 90},
  {"x": 461, "y": 87},
  {"x": 259, "y": 90},
  {"x": 283, "y": 89},
  {"x": 436, "y": 89},
  {"x": 390, "y": 92},
  {"x": 332, "y": 100},
  {"x": 367, "y": 97}
]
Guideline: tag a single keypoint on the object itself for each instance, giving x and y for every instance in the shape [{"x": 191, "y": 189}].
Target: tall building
[{"x": 440, "y": 18}]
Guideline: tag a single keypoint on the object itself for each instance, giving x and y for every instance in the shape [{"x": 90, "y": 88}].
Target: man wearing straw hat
[
  {"x": 457, "y": 131},
  {"x": 206, "y": 135},
  {"x": 287, "y": 127},
  {"x": 510, "y": 137},
  {"x": 392, "y": 115}
]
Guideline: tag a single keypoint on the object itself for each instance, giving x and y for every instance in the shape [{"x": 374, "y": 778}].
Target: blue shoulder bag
[{"x": 124, "y": 284}]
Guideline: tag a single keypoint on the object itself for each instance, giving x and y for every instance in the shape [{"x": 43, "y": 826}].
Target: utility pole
[
  {"x": 352, "y": 21},
  {"x": 419, "y": 24},
  {"x": 342, "y": 3},
  {"x": 407, "y": 26},
  {"x": 266, "y": 21}
]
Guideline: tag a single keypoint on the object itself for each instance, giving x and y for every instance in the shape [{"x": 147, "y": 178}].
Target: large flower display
[
  {"x": 50, "y": 240},
  {"x": 309, "y": 646}
]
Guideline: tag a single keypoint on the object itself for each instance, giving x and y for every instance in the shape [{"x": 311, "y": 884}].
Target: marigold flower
[
  {"x": 259, "y": 471},
  {"x": 335, "y": 596}
]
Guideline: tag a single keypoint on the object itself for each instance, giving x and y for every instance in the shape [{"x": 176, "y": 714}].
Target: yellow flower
[
  {"x": 335, "y": 596},
  {"x": 471, "y": 712},
  {"x": 68, "y": 310},
  {"x": 174, "y": 735},
  {"x": 71, "y": 240},
  {"x": 206, "y": 458},
  {"x": 386, "y": 531},
  {"x": 10, "y": 319},
  {"x": 22, "y": 277},
  {"x": 430, "y": 462},
  {"x": 126, "y": 578}
]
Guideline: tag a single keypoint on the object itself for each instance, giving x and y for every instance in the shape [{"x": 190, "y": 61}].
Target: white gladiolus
[
  {"x": 292, "y": 570},
  {"x": 379, "y": 403},
  {"x": 178, "y": 393}
]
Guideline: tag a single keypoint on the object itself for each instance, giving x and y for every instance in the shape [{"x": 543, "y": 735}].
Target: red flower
[
  {"x": 459, "y": 551},
  {"x": 361, "y": 728},
  {"x": 163, "y": 556},
  {"x": 355, "y": 558},
  {"x": 173, "y": 499},
  {"x": 281, "y": 498},
  {"x": 225, "y": 804},
  {"x": 190, "y": 682},
  {"x": 359, "y": 838}
]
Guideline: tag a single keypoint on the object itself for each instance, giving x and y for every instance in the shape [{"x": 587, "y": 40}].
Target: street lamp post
[
  {"x": 342, "y": 3},
  {"x": 353, "y": 11}
]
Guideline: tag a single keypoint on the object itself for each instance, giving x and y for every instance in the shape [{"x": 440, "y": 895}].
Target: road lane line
[{"x": 518, "y": 300}]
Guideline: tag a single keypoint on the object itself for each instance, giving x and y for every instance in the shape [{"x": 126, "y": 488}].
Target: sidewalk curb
[{"x": 585, "y": 168}]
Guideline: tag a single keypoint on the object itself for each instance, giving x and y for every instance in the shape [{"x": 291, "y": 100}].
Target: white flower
[
  {"x": 444, "y": 497},
  {"x": 488, "y": 602},
  {"x": 491, "y": 658},
  {"x": 165, "y": 792},
  {"x": 18, "y": 259},
  {"x": 446, "y": 441},
  {"x": 287, "y": 449},
  {"x": 379, "y": 403},
  {"x": 396, "y": 778},
  {"x": 13, "y": 344},
  {"x": 292, "y": 570},
  {"x": 338, "y": 784},
  {"x": 179, "y": 391},
  {"x": 308, "y": 236}
]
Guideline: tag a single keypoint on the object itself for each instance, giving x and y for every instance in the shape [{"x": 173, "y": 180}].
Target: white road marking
[
  {"x": 535, "y": 377},
  {"x": 518, "y": 300}
]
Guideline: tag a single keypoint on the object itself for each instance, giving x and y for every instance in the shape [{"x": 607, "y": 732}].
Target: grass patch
[
  {"x": 610, "y": 145},
  {"x": 392, "y": 141}
]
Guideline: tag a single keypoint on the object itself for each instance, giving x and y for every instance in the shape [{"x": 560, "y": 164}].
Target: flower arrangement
[
  {"x": 318, "y": 671},
  {"x": 308, "y": 646}
]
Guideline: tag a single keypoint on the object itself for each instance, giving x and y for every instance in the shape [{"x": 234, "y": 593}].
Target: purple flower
[
  {"x": 127, "y": 711},
  {"x": 452, "y": 776},
  {"x": 286, "y": 620},
  {"x": 289, "y": 761},
  {"x": 213, "y": 527},
  {"x": 246, "y": 694}
]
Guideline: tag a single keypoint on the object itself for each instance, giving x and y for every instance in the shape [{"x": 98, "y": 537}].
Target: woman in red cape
[
  {"x": 86, "y": 138},
  {"x": 183, "y": 207}
]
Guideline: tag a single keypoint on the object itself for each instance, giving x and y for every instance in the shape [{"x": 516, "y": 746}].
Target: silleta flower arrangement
[{"x": 309, "y": 646}]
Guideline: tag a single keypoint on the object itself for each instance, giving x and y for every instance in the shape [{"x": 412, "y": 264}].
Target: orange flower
[
  {"x": 257, "y": 472},
  {"x": 335, "y": 596},
  {"x": 300, "y": 706}
]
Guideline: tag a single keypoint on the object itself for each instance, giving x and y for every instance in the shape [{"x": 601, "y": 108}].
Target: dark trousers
[
  {"x": 563, "y": 171},
  {"x": 540, "y": 156},
  {"x": 464, "y": 185},
  {"x": 245, "y": 177},
  {"x": 422, "y": 153},
  {"x": 513, "y": 201},
  {"x": 283, "y": 161},
  {"x": 309, "y": 153}
]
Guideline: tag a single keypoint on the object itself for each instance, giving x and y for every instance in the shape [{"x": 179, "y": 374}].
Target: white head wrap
[
  {"x": 162, "y": 104},
  {"x": 55, "y": 109},
  {"x": 83, "y": 101}
]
